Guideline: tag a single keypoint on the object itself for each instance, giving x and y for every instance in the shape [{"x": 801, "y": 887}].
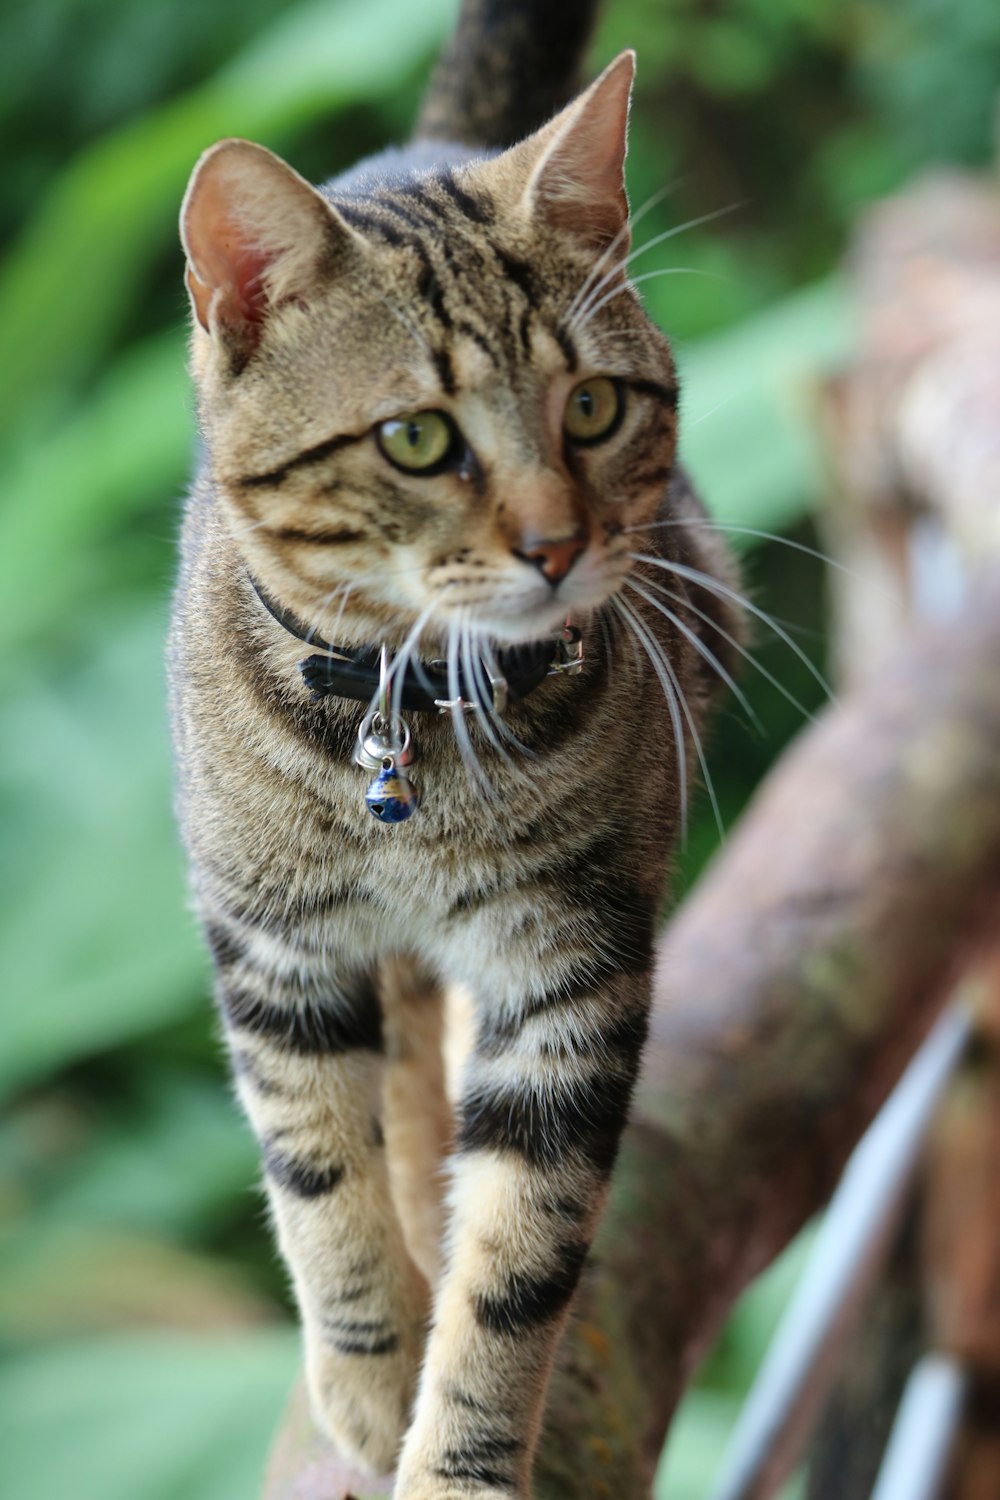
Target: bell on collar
[
  {"x": 392, "y": 797},
  {"x": 374, "y": 748}
]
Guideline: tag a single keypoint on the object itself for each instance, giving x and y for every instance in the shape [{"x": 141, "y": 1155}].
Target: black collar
[{"x": 354, "y": 673}]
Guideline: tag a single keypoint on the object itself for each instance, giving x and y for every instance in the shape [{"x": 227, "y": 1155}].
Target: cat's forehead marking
[{"x": 460, "y": 273}]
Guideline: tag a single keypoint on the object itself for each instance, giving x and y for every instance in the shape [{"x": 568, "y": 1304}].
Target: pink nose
[{"x": 553, "y": 558}]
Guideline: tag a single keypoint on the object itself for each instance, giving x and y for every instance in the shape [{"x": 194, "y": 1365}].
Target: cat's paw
[
  {"x": 362, "y": 1401},
  {"x": 438, "y": 1465},
  {"x": 362, "y": 1373}
]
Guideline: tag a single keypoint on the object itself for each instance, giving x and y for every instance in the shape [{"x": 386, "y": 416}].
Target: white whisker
[
  {"x": 701, "y": 648},
  {"x": 658, "y": 239},
  {"x": 472, "y": 667},
  {"x": 624, "y": 233},
  {"x": 345, "y": 597},
  {"x": 477, "y": 778},
  {"x": 660, "y": 667},
  {"x": 695, "y": 575},
  {"x": 606, "y": 636},
  {"x": 493, "y": 669},
  {"x": 697, "y": 421},
  {"x": 736, "y": 529},
  {"x": 736, "y": 645},
  {"x": 397, "y": 670},
  {"x": 695, "y": 736},
  {"x": 594, "y": 308}
]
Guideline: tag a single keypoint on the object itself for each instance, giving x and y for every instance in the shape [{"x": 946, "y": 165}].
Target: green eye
[
  {"x": 593, "y": 410},
  {"x": 419, "y": 441}
]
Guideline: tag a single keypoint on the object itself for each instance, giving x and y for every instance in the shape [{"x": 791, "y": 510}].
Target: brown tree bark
[{"x": 793, "y": 986}]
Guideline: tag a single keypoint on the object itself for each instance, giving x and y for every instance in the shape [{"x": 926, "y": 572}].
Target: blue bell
[{"x": 392, "y": 797}]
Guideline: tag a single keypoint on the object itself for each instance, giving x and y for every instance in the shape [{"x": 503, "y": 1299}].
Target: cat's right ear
[{"x": 256, "y": 235}]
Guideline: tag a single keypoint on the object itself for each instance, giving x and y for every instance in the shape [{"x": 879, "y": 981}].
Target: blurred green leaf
[
  {"x": 165, "y": 1417},
  {"x": 746, "y": 430},
  {"x": 69, "y": 283},
  {"x": 98, "y": 946},
  {"x": 131, "y": 443},
  {"x": 697, "y": 1438},
  {"x": 175, "y": 1159},
  {"x": 66, "y": 1280}
]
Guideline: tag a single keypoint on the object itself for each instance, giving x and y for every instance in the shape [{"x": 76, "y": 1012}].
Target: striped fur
[
  {"x": 432, "y": 1298},
  {"x": 510, "y": 65}
]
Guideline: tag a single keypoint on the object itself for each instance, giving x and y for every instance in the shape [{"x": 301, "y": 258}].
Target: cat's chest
[{"x": 469, "y": 831}]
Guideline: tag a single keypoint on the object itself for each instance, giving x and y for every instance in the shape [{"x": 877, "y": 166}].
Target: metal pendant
[
  {"x": 392, "y": 797},
  {"x": 384, "y": 746}
]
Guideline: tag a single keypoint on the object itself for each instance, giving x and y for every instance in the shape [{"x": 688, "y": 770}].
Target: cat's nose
[{"x": 551, "y": 557}]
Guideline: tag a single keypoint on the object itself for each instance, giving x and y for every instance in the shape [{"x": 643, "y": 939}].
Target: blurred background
[{"x": 145, "y": 1328}]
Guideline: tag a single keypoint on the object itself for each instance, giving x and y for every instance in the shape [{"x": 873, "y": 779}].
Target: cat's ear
[
  {"x": 576, "y": 178},
  {"x": 256, "y": 235}
]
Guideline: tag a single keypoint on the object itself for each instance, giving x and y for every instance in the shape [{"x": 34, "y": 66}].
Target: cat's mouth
[
  {"x": 523, "y": 616},
  {"x": 521, "y": 628}
]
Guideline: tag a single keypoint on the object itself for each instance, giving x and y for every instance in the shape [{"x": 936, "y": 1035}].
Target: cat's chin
[{"x": 518, "y": 630}]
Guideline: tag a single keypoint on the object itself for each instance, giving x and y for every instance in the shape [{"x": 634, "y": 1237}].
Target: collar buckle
[{"x": 569, "y": 653}]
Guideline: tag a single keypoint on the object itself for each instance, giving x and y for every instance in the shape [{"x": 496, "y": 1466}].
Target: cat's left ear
[{"x": 576, "y": 163}]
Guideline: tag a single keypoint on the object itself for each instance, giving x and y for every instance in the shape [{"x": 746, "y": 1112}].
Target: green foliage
[
  {"x": 115, "y": 203},
  {"x": 128, "y": 1204},
  {"x": 162, "y": 1416}
]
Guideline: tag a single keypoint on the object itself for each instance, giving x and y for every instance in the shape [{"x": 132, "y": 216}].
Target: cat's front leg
[
  {"x": 544, "y": 1103},
  {"x": 305, "y": 1034}
]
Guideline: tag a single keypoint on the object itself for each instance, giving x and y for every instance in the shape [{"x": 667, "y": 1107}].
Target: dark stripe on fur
[
  {"x": 224, "y": 945},
  {"x": 328, "y": 728},
  {"x": 445, "y": 371},
  {"x": 619, "y": 912},
  {"x": 272, "y": 911},
  {"x": 621, "y": 1035},
  {"x": 339, "y": 537},
  {"x": 464, "y": 1399},
  {"x": 568, "y": 348},
  {"x": 245, "y": 1067},
  {"x": 527, "y": 1301},
  {"x": 366, "y": 1331},
  {"x": 467, "y": 330},
  {"x": 300, "y": 1177},
  {"x": 350, "y": 1294},
  {"x": 666, "y": 394},
  {"x": 424, "y": 224},
  {"x": 345, "y": 1345},
  {"x": 477, "y": 1459},
  {"x": 369, "y": 221},
  {"x": 524, "y": 332},
  {"x": 509, "y": 66},
  {"x": 519, "y": 274},
  {"x": 429, "y": 288},
  {"x": 580, "y": 1117},
  {"x": 479, "y": 209},
  {"x": 301, "y": 460},
  {"x": 477, "y": 1473},
  {"x": 658, "y": 475},
  {"x": 311, "y": 1027}
]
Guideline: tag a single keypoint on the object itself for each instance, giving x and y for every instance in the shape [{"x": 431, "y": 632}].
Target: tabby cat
[{"x": 438, "y": 429}]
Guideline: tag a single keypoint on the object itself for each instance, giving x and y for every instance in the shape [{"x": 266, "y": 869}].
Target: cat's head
[{"x": 435, "y": 395}]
